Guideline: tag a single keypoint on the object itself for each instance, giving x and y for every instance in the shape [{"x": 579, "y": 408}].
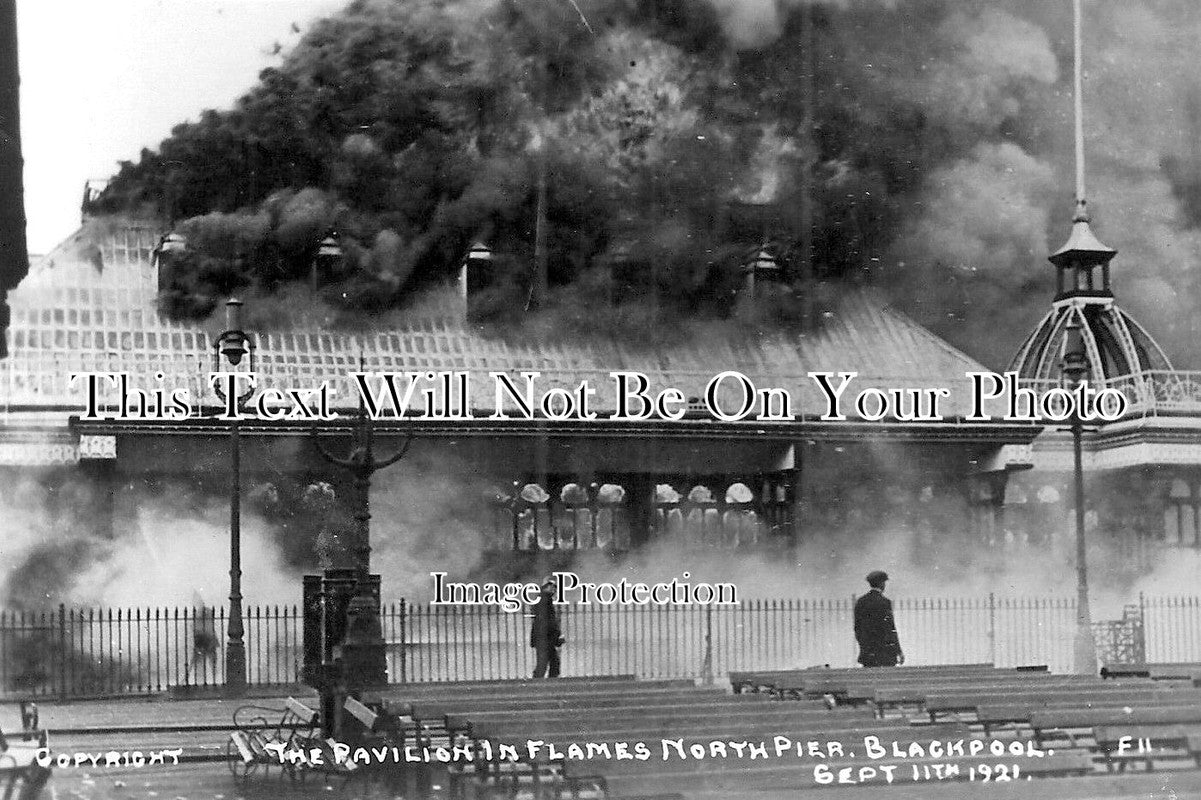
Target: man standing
[
  {"x": 875, "y": 628},
  {"x": 545, "y": 636}
]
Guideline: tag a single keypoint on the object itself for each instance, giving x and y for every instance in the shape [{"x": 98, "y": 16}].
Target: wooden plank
[
  {"x": 851, "y": 736},
  {"x": 966, "y": 701},
  {"x": 705, "y": 699},
  {"x": 524, "y": 686},
  {"x": 919, "y": 693},
  {"x": 303, "y": 713},
  {"x": 19, "y": 756},
  {"x": 1021, "y": 712},
  {"x": 510, "y": 682},
  {"x": 1089, "y": 718},
  {"x": 820, "y": 673},
  {"x": 548, "y": 694},
  {"x": 361, "y": 713},
  {"x": 776, "y": 713},
  {"x": 1130, "y": 786},
  {"x": 1155, "y": 669},
  {"x": 826, "y": 672},
  {"x": 242, "y": 746},
  {"x": 1106, "y": 736},
  {"x": 635, "y": 731}
]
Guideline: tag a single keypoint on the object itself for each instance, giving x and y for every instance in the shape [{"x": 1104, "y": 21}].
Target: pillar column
[{"x": 102, "y": 483}]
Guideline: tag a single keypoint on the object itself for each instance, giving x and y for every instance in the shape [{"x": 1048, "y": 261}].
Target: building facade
[{"x": 540, "y": 488}]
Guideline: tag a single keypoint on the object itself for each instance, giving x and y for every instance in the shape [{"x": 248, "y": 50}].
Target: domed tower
[{"x": 1114, "y": 343}]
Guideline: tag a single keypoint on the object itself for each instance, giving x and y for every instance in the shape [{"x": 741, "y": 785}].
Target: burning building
[
  {"x": 713, "y": 194},
  {"x": 558, "y": 484},
  {"x": 545, "y": 487}
]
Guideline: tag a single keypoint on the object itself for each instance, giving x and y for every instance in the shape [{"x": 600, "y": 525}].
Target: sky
[{"x": 101, "y": 79}]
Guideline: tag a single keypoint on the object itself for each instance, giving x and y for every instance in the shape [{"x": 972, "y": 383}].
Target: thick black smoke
[{"x": 924, "y": 145}]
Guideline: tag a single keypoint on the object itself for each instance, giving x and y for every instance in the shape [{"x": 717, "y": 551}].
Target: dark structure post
[
  {"x": 14, "y": 256},
  {"x": 1075, "y": 372},
  {"x": 231, "y": 346},
  {"x": 364, "y": 660}
]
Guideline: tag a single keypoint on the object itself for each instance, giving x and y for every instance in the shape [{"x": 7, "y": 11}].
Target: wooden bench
[
  {"x": 292, "y": 727},
  {"x": 1070, "y": 725},
  {"x": 653, "y": 730},
  {"x": 23, "y": 777},
  {"x": 1174, "y": 714},
  {"x": 860, "y": 688},
  {"x": 543, "y": 688},
  {"x": 1081, "y": 697},
  {"x": 502, "y": 704},
  {"x": 770, "y": 680},
  {"x": 995, "y": 717},
  {"x": 1159, "y": 671},
  {"x": 1146, "y": 744}
]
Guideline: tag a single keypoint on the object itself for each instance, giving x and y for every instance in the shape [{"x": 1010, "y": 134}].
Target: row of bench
[
  {"x": 1081, "y": 720},
  {"x": 1121, "y": 720},
  {"x": 679, "y": 724}
]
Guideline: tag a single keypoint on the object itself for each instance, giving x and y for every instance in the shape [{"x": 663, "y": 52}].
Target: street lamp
[
  {"x": 231, "y": 347},
  {"x": 1075, "y": 372},
  {"x": 362, "y": 648}
]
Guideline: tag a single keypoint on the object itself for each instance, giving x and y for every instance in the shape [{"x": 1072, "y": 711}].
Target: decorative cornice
[{"x": 941, "y": 433}]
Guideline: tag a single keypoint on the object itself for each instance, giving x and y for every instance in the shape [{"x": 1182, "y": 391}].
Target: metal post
[
  {"x": 1085, "y": 648},
  {"x": 707, "y": 665},
  {"x": 63, "y": 653},
  {"x": 992, "y": 628},
  {"x": 363, "y": 650},
  {"x": 229, "y": 350},
  {"x": 235, "y": 650}
]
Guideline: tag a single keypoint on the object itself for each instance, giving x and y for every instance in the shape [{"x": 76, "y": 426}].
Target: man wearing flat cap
[
  {"x": 875, "y": 628},
  {"x": 545, "y": 634}
]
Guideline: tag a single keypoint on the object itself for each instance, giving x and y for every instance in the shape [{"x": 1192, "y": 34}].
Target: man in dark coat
[
  {"x": 545, "y": 635},
  {"x": 875, "y": 628}
]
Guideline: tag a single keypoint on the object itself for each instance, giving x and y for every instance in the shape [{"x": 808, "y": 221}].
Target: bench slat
[{"x": 361, "y": 713}]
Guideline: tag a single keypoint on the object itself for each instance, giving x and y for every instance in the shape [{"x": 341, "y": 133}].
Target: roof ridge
[{"x": 918, "y": 330}]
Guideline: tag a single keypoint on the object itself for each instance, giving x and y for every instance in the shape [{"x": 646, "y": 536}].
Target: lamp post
[
  {"x": 363, "y": 649},
  {"x": 231, "y": 347},
  {"x": 1075, "y": 372}
]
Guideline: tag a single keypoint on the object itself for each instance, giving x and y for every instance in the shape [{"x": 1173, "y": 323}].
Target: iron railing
[{"x": 90, "y": 652}]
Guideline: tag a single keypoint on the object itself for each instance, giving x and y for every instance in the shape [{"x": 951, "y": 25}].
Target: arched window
[
  {"x": 669, "y": 519},
  {"x": 575, "y": 517},
  {"x": 612, "y": 530},
  {"x": 740, "y": 521},
  {"x": 702, "y": 523},
  {"x": 1182, "y": 515},
  {"x": 534, "y": 530}
]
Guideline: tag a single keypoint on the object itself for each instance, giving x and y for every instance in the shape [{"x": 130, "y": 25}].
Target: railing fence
[{"x": 73, "y": 652}]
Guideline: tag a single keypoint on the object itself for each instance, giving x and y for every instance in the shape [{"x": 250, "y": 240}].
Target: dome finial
[{"x": 1081, "y": 214}]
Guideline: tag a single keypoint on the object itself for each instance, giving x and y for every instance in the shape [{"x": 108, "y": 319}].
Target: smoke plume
[{"x": 932, "y": 140}]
